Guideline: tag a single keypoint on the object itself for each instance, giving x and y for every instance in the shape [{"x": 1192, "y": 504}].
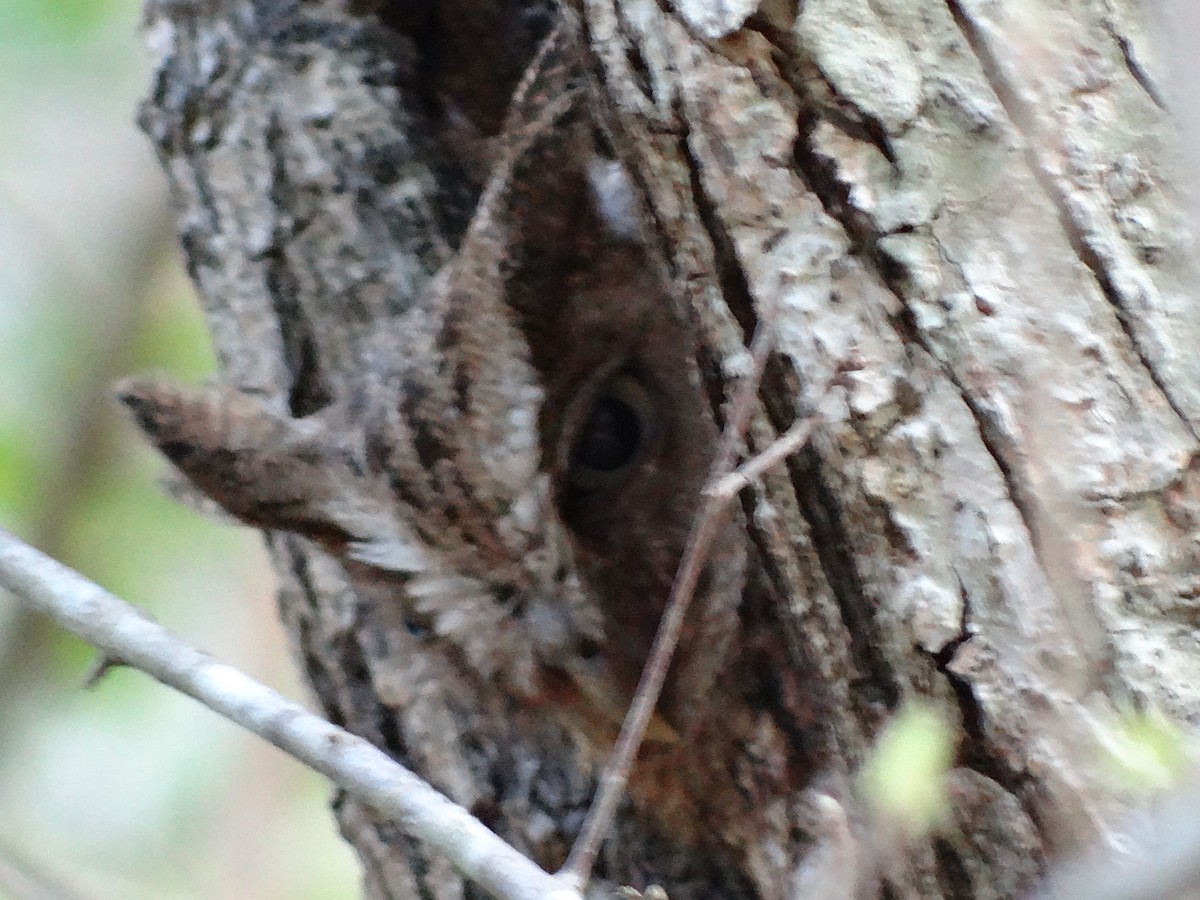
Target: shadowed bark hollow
[{"x": 961, "y": 220}]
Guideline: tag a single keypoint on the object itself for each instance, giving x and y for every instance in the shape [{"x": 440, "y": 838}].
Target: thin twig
[
  {"x": 777, "y": 451},
  {"x": 124, "y": 632},
  {"x": 707, "y": 523}
]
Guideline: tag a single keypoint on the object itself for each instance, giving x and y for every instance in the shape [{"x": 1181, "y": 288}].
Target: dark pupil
[{"x": 610, "y": 437}]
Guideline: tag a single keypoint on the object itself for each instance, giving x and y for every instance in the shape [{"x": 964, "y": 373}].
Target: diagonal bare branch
[{"x": 124, "y": 633}]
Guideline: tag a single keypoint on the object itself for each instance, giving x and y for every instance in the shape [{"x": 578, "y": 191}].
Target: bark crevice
[{"x": 1135, "y": 68}]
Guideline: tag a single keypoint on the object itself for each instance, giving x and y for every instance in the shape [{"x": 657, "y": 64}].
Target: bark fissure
[
  {"x": 735, "y": 290},
  {"x": 974, "y": 752},
  {"x": 832, "y": 540},
  {"x": 305, "y": 392},
  {"x": 968, "y": 705},
  {"x": 1135, "y": 68},
  {"x": 952, "y": 874},
  {"x": 818, "y": 503},
  {"x": 821, "y": 178}
]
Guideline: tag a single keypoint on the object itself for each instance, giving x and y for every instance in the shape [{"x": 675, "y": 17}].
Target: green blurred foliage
[
  {"x": 1147, "y": 753},
  {"x": 904, "y": 780},
  {"x": 127, "y": 790},
  {"x": 60, "y": 21}
]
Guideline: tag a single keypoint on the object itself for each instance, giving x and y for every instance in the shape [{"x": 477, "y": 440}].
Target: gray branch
[{"x": 127, "y": 635}]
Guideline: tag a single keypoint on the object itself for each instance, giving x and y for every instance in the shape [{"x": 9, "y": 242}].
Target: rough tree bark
[{"x": 961, "y": 216}]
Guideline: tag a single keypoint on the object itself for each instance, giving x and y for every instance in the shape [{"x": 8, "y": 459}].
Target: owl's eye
[{"x": 617, "y": 428}]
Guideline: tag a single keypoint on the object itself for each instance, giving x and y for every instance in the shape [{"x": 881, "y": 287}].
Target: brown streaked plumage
[{"x": 520, "y": 465}]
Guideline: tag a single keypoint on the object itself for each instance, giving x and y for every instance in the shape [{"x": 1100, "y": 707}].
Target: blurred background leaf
[
  {"x": 127, "y": 790},
  {"x": 904, "y": 779}
]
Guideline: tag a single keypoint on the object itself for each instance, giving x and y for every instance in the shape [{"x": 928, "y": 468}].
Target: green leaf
[
  {"x": 904, "y": 780},
  {"x": 1145, "y": 751}
]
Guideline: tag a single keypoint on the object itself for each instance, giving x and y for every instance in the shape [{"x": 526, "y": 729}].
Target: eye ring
[{"x": 618, "y": 424}]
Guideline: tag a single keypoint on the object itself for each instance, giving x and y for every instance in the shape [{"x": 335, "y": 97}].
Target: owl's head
[{"x": 516, "y": 468}]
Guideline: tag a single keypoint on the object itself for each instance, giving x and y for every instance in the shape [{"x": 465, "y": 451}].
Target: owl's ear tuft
[
  {"x": 264, "y": 468},
  {"x": 164, "y": 414},
  {"x": 205, "y": 430}
]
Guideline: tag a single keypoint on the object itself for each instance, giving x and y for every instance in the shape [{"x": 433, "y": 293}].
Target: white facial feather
[{"x": 612, "y": 191}]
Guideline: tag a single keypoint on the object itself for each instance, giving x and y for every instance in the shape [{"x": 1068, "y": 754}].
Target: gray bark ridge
[
  {"x": 961, "y": 220},
  {"x": 975, "y": 220}
]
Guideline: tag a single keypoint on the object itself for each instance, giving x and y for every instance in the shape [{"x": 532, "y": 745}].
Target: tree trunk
[{"x": 961, "y": 223}]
